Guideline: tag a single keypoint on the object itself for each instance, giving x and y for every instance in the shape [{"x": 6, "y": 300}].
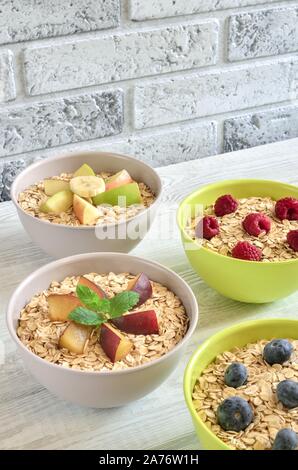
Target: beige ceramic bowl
[
  {"x": 62, "y": 240},
  {"x": 100, "y": 389}
]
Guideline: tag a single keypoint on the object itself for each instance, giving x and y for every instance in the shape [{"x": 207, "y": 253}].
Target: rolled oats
[
  {"x": 40, "y": 335},
  {"x": 269, "y": 414},
  {"x": 274, "y": 245},
  {"x": 31, "y": 199}
]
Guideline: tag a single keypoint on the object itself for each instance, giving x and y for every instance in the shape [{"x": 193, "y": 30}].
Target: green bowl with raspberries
[{"x": 245, "y": 280}]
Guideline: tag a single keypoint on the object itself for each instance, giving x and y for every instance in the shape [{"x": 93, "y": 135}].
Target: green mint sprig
[{"x": 96, "y": 311}]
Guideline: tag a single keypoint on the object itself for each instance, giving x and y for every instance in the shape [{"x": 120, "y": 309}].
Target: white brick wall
[{"x": 164, "y": 80}]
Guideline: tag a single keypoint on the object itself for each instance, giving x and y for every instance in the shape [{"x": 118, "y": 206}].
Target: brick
[
  {"x": 22, "y": 21},
  {"x": 173, "y": 146},
  {"x": 208, "y": 93},
  {"x": 61, "y": 121},
  {"x": 118, "y": 57},
  {"x": 260, "y": 128},
  {"x": 8, "y": 172},
  {"x": 263, "y": 33},
  {"x": 7, "y": 83},
  {"x": 147, "y": 10}
]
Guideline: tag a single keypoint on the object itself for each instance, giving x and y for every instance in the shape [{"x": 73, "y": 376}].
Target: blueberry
[
  {"x": 234, "y": 414},
  {"x": 287, "y": 393},
  {"x": 235, "y": 375},
  {"x": 277, "y": 351},
  {"x": 286, "y": 439}
]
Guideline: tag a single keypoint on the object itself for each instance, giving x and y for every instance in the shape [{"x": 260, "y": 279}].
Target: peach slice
[
  {"x": 119, "y": 179},
  {"x": 138, "y": 323},
  {"x": 98, "y": 290},
  {"x": 60, "y": 306},
  {"x": 114, "y": 344},
  {"x": 74, "y": 337},
  {"x": 142, "y": 285},
  {"x": 85, "y": 212}
]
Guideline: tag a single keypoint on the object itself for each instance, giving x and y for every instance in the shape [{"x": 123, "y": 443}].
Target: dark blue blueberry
[
  {"x": 287, "y": 393},
  {"x": 235, "y": 375},
  {"x": 277, "y": 351},
  {"x": 234, "y": 414},
  {"x": 286, "y": 439}
]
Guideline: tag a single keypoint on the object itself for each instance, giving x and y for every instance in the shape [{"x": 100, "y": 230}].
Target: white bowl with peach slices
[
  {"x": 93, "y": 201},
  {"x": 102, "y": 329}
]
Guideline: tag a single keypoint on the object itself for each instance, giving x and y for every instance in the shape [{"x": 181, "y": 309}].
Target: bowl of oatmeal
[
  {"x": 241, "y": 237},
  {"x": 102, "y": 329},
  {"x": 92, "y": 201},
  {"x": 241, "y": 387}
]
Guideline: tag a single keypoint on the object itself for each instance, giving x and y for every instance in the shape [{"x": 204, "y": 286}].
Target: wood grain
[{"x": 31, "y": 418}]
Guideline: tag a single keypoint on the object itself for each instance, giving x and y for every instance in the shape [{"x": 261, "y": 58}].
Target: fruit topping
[
  {"x": 122, "y": 196},
  {"x": 142, "y": 286},
  {"x": 53, "y": 186},
  {"x": 84, "y": 170},
  {"x": 256, "y": 224},
  {"x": 114, "y": 344},
  {"x": 84, "y": 211},
  {"x": 277, "y": 351},
  {"x": 74, "y": 337},
  {"x": 225, "y": 205},
  {"x": 58, "y": 203},
  {"x": 84, "y": 281},
  {"x": 87, "y": 186},
  {"x": 285, "y": 439},
  {"x": 287, "y": 208},
  {"x": 207, "y": 228},
  {"x": 138, "y": 323},
  {"x": 119, "y": 179},
  {"x": 234, "y": 414},
  {"x": 247, "y": 251},
  {"x": 60, "y": 306},
  {"x": 235, "y": 375},
  {"x": 292, "y": 239},
  {"x": 287, "y": 393}
]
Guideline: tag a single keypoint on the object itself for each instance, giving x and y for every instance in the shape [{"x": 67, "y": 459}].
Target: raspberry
[
  {"x": 287, "y": 208},
  {"x": 210, "y": 227},
  {"x": 247, "y": 251},
  {"x": 292, "y": 239},
  {"x": 256, "y": 223},
  {"x": 225, "y": 205}
]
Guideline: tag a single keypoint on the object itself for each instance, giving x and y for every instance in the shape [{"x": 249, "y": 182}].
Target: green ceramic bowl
[
  {"x": 237, "y": 335},
  {"x": 246, "y": 281}
]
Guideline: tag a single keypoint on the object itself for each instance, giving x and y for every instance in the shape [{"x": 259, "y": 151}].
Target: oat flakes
[{"x": 41, "y": 336}]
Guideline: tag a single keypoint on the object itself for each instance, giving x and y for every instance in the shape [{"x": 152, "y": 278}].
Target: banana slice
[{"x": 87, "y": 186}]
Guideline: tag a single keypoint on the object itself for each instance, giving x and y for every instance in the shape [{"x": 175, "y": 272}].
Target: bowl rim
[
  {"x": 68, "y": 260},
  {"x": 187, "y": 379},
  {"x": 223, "y": 183},
  {"x": 14, "y": 194}
]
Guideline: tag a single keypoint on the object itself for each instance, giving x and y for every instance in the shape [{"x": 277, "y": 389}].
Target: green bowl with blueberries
[
  {"x": 241, "y": 387},
  {"x": 241, "y": 237}
]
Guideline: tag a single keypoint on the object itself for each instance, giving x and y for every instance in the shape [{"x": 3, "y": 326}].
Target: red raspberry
[
  {"x": 209, "y": 226},
  {"x": 256, "y": 223},
  {"x": 225, "y": 205},
  {"x": 292, "y": 238},
  {"x": 287, "y": 208},
  {"x": 247, "y": 251}
]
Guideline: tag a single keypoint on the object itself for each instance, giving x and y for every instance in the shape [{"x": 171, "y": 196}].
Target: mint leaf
[
  {"x": 88, "y": 297},
  {"x": 123, "y": 302},
  {"x": 86, "y": 317}
]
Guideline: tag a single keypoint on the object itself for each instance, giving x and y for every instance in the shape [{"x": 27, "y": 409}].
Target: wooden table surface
[{"x": 32, "y": 418}]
